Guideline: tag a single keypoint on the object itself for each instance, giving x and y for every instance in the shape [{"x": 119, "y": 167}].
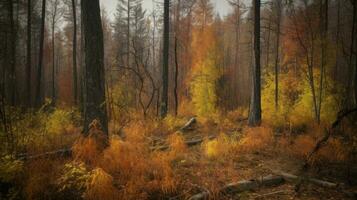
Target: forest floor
[
  {"x": 155, "y": 159},
  {"x": 201, "y": 174}
]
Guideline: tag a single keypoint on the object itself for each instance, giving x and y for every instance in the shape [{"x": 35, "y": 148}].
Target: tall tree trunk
[
  {"x": 255, "y": 107},
  {"x": 356, "y": 82},
  {"x": 53, "y": 58},
  {"x": 176, "y": 77},
  {"x": 349, "y": 96},
  {"x": 176, "y": 55},
  {"x": 267, "y": 61},
  {"x": 352, "y": 48},
  {"x": 82, "y": 69},
  {"x": 12, "y": 63},
  {"x": 29, "y": 56},
  {"x": 165, "y": 68},
  {"x": 237, "y": 59},
  {"x": 94, "y": 101},
  {"x": 40, "y": 59},
  {"x": 74, "y": 49},
  {"x": 128, "y": 35},
  {"x": 324, "y": 29},
  {"x": 337, "y": 39},
  {"x": 278, "y": 28},
  {"x": 128, "y": 38}
]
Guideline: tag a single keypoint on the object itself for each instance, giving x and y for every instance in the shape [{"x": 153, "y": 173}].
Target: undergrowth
[{"x": 129, "y": 168}]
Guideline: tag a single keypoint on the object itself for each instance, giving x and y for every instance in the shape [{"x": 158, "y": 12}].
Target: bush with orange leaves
[
  {"x": 256, "y": 139},
  {"x": 88, "y": 149},
  {"x": 128, "y": 168}
]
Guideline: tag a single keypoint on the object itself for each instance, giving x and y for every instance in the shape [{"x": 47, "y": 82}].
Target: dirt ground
[{"x": 210, "y": 175}]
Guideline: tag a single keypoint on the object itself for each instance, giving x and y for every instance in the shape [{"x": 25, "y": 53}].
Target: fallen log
[
  {"x": 246, "y": 185},
  {"x": 242, "y": 186},
  {"x": 294, "y": 178},
  {"x": 61, "y": 153}
]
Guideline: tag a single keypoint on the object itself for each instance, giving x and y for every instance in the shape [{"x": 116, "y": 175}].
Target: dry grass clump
[
  {"x": 256, "y": 139},
  {"x": 177, "y": 145},
  {"x": 216, "y": 167},
  {"x": 100, "y": 186},
  {"x": 237, "y": 115},
  {"x": 165, "y": 164},
  {"x": 333, "y": 151},
  {"x": 86, "y": 150},
  {"x": 219, "y": 148},
  {"x": 144, "y": 129},
  {"x": 127, "y": 162},
  {"x": 162, "y": 177},
  {"x": 138, "y": 172},
  {"x": 301, "y": 146},
  {"x": 89, "y": 149},
  {"x": 225, "y": 147}
]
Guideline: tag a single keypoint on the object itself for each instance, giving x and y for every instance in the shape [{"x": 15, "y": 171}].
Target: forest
[{"x": 178, "y": 100}]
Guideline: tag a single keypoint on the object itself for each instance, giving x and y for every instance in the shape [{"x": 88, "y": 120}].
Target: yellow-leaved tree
[{"x": 204, "y": 71}]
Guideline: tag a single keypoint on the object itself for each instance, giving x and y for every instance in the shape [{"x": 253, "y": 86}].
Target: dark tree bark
[
  {"x": 82, "y": 70},
  {"x": 29, "y": 60},
  {"x": 353, "y": 33},
  {"x": 53, "y": 53},
  {"x": 75, "y": 78},
  {"x": 278, "y": 30},
  {"x": 337, "y": 39},
  {"x": 12, "y": 59},
  {"x": 176, "y": 77},
  {"x": 94, "y": 100},
  {"x": 165, "y": 68},
  {"x": 255, "y": 107},
  {"x": 324, "y": 29},
  {"x": 267, "y": 58},
  {"x": 349, "y": 96},
  {"x": 128, "y": 34},
  {"x": 176, "y": 55},
  {"x": 40, "y": 59}
]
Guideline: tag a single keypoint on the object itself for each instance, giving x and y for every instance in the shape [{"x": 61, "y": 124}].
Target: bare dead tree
[{"x": 39, "y": 96}]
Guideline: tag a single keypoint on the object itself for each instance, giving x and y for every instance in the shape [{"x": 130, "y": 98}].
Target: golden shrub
[{"x": 100, "y": 186}]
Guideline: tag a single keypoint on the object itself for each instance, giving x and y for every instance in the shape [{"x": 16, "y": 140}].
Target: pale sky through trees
[{"x": 221, "y": 6}]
